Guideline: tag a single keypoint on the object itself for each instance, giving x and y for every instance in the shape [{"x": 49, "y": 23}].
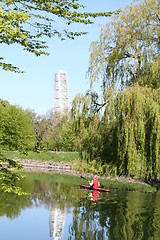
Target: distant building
[{"x": 61, "y": 93}]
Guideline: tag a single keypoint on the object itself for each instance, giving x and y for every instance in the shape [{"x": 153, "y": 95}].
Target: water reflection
[
  {"x": 56, "y": 222},
  {"x": 94, "y": 195},
  {"x": 69, "y": 212},
  {"x": 87, "y": 225}
]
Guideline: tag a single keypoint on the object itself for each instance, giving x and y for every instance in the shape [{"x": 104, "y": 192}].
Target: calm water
[{"x": 58, "y": 208}]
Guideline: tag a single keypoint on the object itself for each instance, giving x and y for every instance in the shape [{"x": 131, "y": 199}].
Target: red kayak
[{"x": 91, "y": 188}]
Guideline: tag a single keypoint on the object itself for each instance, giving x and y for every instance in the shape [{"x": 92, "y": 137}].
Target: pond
[{"x": 57, "y": 208}]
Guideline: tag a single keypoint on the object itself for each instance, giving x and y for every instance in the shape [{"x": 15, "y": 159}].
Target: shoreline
[{"x": 69, "y": 169}]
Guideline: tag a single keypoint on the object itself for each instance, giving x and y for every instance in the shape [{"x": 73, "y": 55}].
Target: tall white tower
[{"x": 61, "y": 95}]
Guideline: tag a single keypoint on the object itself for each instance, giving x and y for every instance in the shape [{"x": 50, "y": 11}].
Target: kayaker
[{"x": 94, "y": 183}]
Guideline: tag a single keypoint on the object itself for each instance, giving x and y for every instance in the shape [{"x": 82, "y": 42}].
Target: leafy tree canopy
[
  {"x": 26, "y": 22},
  {"x": 128, "y": 48},
  {"x": 16, "y": 130}
]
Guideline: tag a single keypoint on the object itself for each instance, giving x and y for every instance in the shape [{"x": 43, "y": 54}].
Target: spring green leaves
[{"x": 30, "y": 23}]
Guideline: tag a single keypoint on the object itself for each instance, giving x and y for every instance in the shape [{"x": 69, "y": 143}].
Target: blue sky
[{"x": 35, "y": 88}]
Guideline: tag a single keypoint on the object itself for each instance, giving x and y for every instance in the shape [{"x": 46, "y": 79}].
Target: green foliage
[
  {"x": 87, "y": 126},
  {"x": 96, "y": 166},
  {"x": 63, "y": 137},
  {"x": 9, "y": 179},
  {"x": 16, "y": 130},
  {"x": 91, "y": 141},
  {"x": 16, "y": 133},
  {"x": 126, "y": 139},
  {"x": 132, "y": 135},
  {"x": 68, "y": 138},
  {"x": 137, "y": 119},
  {"x": 125, "y": 62},
  {"x": 129, "y": 186},
  {"x": 28, "y": 23},
  {"x": 128, "y": 48}
]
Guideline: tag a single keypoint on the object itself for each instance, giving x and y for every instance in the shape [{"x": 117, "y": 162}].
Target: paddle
[{"x": 84, "y": 178}]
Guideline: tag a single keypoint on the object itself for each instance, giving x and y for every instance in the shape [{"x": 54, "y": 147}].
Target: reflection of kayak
[{"x": 99, "y": 189}]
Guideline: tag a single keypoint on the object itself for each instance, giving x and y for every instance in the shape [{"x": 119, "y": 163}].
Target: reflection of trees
[
  {"x": 86, "y": 224},
  {"x": 117, "y": 215},
  {"x": 144, "y": 216},
  {"x": 126, "y": 215},
  {"x": 134, "y": 216},
  {"x": 11, "y": 205}
]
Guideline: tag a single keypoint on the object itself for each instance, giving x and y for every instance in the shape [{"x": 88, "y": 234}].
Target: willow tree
[
  {"x": 128, "y": 48},
  {"x": 81, "y": 118},
  {"x": 137, "y": 124},
  {"x": 130, "y": 132},
  {"x": 86, "y": 124},
  {"x": 124, "y": 61},
  {"x": 28, "y": 23}
]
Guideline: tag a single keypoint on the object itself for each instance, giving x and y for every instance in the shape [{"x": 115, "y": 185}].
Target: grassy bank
[
  {"x": 76, "y": 180},
  {"x": 129, "y": 186},
  {"x": 44, "y": 156},
  {"x": 73, "y": 157}
]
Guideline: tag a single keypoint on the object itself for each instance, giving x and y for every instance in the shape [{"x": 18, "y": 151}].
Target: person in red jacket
[{"x": 94, "y": 183}]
